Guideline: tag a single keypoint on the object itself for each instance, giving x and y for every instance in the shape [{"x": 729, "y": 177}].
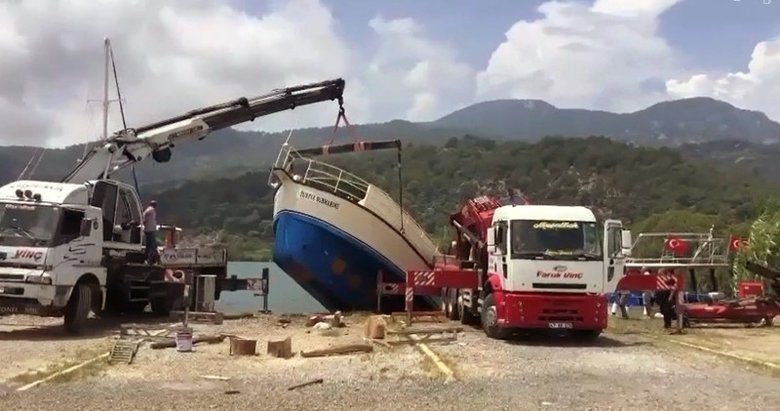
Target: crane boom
[{"x": 133, "y": 145}]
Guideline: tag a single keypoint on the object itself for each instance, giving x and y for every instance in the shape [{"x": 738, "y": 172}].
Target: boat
[{"x": 334, "y": 232}]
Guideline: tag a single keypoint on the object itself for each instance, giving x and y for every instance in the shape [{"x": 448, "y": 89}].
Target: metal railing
[
  {"x": 699, "y": 250},
  {"x": 321, "y": 175}
]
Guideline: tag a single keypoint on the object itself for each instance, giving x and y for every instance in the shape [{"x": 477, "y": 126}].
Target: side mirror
[
  {"x": 86, "y": 227},
  {"x": 626, "y": 242}
]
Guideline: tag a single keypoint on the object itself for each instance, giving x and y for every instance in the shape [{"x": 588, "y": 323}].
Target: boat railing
[
  {"x": 653, "y": 250},
  {"x": 322, "y": 175}
]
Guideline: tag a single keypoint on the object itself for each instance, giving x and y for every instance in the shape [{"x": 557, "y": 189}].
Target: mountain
[
  {"x": 229, "y": 153},
  {"x": 669, "y": 123}
]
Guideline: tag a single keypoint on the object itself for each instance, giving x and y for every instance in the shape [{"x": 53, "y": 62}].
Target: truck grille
[{"x": 12, "y": 277}]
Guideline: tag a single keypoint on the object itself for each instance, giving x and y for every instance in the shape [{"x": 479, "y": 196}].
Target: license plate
[{"x": 560, "y": 325}]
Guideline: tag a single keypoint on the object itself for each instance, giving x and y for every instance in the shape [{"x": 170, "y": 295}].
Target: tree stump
[
  {"x": 280, "y": 348},
  {"x": 376, "y": 327}
]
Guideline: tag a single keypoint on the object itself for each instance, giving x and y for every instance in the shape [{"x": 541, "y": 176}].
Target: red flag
[
  {"x": 736, "y": 242},
  {"x": 676, "y": 245}
]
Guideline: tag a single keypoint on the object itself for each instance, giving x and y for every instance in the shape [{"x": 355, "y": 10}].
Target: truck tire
[
  {"x": 162, "y": 307},
  {"x": 466, "y": 314},
  {"x": 451, "y": 300},
  {"x": 489, "y": 317},
  {"x": 173, "y": 299},
  {"x": 77, "y": 310}
]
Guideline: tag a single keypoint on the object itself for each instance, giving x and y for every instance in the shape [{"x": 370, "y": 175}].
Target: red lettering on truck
[
  {"x": 26, "y": 254},
  {"x": 558, "y": 274}
]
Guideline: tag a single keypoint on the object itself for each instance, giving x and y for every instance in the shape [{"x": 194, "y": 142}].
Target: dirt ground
[
  {"x": 627, "y": 368},
  {"x": 754, "y": 342}
]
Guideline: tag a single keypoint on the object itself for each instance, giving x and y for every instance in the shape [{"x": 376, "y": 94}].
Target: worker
[
  {"x": 150, "y": 232},
  {"x": 622, "y": 301},
  {"x": 666, "y": 302},
  {"x": 647, "y": 297}
]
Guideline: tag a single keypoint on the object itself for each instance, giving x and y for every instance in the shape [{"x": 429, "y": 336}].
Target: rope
[{"x": 400, "y": 190}]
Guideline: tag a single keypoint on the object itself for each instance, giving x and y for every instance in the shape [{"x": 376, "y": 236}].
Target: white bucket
[{"x": 184, "y": 340}]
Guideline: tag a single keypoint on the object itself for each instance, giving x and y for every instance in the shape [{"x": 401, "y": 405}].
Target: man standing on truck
[{"x": 150, "y": 232}]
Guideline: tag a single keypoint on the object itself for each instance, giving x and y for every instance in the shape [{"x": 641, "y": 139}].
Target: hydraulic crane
[
  {"x": 75, "y": 246},
  {"x": 133, "y": 145}
]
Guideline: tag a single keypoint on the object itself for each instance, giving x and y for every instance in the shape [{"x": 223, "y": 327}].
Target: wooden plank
[
  {"x": 427, "y": 341},
  {"x": 432, "y": 330},
  {"x": 338, "y": 350},
  {"x": 212, "y": 339},
  {"x": 435, "y": 358}
]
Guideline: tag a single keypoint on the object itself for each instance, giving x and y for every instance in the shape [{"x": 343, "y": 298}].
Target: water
[{"x": 285, "y": 296}]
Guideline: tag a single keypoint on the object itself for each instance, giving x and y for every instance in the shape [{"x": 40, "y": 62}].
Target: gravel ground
[{"x": 619, "y": 372}]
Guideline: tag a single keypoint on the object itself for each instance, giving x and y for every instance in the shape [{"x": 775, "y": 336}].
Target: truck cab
[
  {"x": 68, "y": 249},
  {"x": 49, "y": 242},
  {"x": 561, "y": 249}
]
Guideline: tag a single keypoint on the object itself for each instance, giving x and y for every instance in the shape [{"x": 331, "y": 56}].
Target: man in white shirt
[{"x": 150, "y": 232}]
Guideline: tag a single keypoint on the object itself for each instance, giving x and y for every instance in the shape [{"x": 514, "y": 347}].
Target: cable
[{"x": 122, "y": 112}]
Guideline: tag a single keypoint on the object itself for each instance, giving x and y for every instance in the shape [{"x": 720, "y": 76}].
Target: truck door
[
  {"x": 614, "y": 260},
  {"x": 104, "y": 195},
  {"x": 497, "y": 262}
]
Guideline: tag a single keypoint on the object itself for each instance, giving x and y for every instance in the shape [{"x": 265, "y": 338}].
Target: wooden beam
[{"x": 338, "y": 350}]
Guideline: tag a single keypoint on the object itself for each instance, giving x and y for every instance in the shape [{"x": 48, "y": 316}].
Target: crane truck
[
  {"x": 75, "y": 246},
  {"x": 538, "y": 267}
]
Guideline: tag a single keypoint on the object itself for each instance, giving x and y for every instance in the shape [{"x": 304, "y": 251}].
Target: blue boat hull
[{"x": 336, "y": 268}]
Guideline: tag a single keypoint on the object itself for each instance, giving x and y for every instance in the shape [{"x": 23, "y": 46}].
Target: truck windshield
[
  {"x": 559, "y": 239},
  {"x": 27, "y": 224}
]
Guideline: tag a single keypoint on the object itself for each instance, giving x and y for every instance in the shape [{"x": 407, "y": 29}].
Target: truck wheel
[
  {"x": 466, "y": 314},
  {"x": 489, "y": 318},
  {"x": 135, "y": 307},
  {"x": 162, "y": 306},
  {"x": 173, "y": 299},
  {"x": 451, "y": 299},
  {"x": 77, "y": 310}
]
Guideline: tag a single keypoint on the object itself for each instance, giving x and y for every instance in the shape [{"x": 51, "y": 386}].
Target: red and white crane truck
[{"x": 537, "y": 267}]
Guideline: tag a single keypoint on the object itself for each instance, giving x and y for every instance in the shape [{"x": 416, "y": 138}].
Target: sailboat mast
[{"x": 107, "y": 45}]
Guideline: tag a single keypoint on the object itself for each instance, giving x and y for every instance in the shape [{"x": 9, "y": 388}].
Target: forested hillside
[
  {"x": 638, "y": 185},
  {"x": 229, "y": 152}
]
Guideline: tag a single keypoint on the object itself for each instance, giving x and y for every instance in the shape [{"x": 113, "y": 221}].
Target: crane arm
[{"x": 133, "y": 145}]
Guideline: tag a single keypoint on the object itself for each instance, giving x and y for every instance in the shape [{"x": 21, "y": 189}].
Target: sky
[{"x": 401, "y": 59}]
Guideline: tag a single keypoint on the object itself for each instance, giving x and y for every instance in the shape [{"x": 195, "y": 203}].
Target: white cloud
[
  {"x": 600, "y": 56},
  {"x": 757, "y": 88},
  {"x": 172, "y": 56},
  {"x": 413, "y": 76}
]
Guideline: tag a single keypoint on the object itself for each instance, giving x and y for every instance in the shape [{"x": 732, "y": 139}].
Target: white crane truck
[
  {"x": 538, "y": 267},
  {"x": 75, "y": 246}
]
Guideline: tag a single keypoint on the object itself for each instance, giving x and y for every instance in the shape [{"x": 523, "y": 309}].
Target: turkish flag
[
  {"x": 676, "y": 245},
  {"x": 735, "y": 242}
]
